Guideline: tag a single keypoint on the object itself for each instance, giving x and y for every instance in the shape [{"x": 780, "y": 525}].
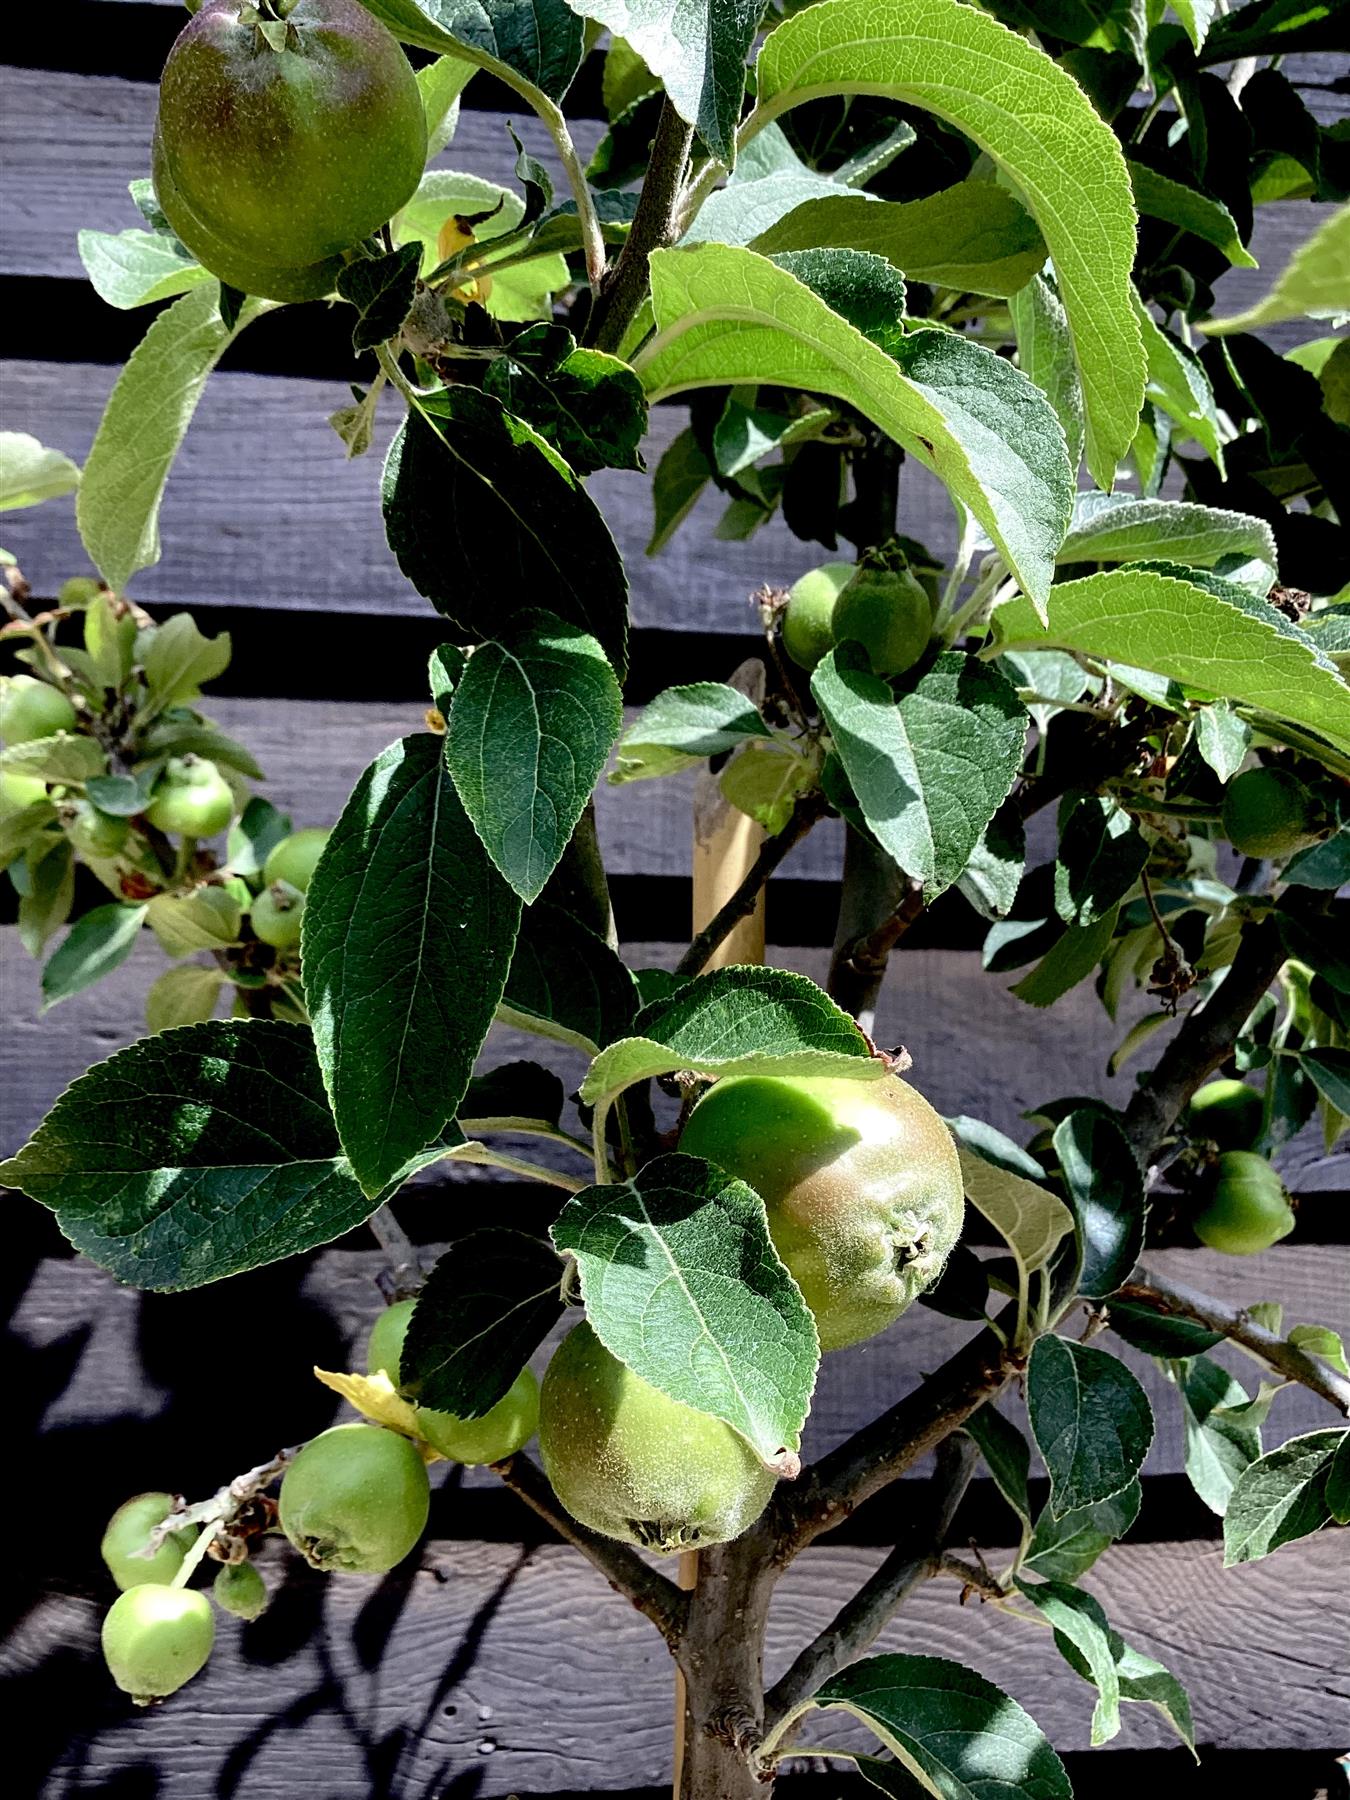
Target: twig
[
  {"x": 859, "y": 967},
  {"x": 859, "y": 1622},
  {"x": 976, "y": 1580},
  {"x": 881, "y": 1452},
  {"x": 1205, "y": 1039},
  {"x": 656, "y": 223},
  {"x": 805, "y": 813},
  {"x": 653, "y": 1594},
  {"x": 1174, "y": 1301},
  {"x": 404, "y": 1264},
  {"x": 592, "y": 238},
  {"x": 488, "y": 1156}
]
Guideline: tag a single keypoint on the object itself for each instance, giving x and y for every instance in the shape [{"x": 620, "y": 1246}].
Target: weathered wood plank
[
  {"x": 118, "y": 1373},
  {"x": 977, "y": 1048},
  {"x": 492, "y": 1671}
]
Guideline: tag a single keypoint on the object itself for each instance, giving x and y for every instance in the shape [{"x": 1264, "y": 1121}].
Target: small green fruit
[
  {"x": 860, "y": 1180},
  {"x": 888, "y": 613},
  {"x": 18, "y": 790},
  {"x": 156, "y": 1638},
  {"x": 1269, "y": 813},
  {"x": 807, "y": 618},
  {"x": 92, "y": 833},
  {"x": 192, "y": 798},
  {"x": 31, "y": 709},
  {"x": 239, "y": 1589},
  {"x": 276, "y": 913},
  {"x": 1247, "y": 1209},
  {"x": 355, "y": 1500},
  {"x": 294, "y": 858},
  {"x": 1228, "y": 1113},
  {"x": 632, "y": 1463},
  {"x": 503, "y": 1429},
  {"x": 128, "y": 1532}
]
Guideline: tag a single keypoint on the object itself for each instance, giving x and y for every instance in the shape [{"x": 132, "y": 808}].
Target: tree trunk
[{"x": 723, "y": 1662}]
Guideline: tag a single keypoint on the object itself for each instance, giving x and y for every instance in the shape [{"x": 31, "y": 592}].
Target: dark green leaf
[
  {"x": 193, "y": 1155},
  {"x": 123, "y": 795},
  {"x": 1101, "y": 854},
  {"x": 486, "y": 518},
  {"x": 589, "y": 406},
  {"x": 960, "y": 1734},
  {"x": 1279, "y": 1498},
  {"x": 1157, "y": 1335},
  {"x": 1218, "y": 1447},
  {"x": 382, "y": 289},
  {"x": 685, "y": 725},
  {"x": 1072, "y": 957},
  {"x": 1007, "y": 1455},
  {"x": 407, "y": 937},
  {"x": 1105, "y": 1188},
  {"x": 565, "y": 982},
  {"x": 97, "y": 944},
  {"x": 540, "y": 43},
  {"x": 1325, "y": 866},
  {"x": 1063, "y": 1549},
  {"x": 254, "y": 836},
  {"x": 932, "y": 768},
  {"x": 485, "y": 1309},
  {"x": 514, "y": 1090},
  {"x": 681, "y": 476},
  {"x": 1079, "y": 1619},
  {"x": 1330, "y": 1072},
  {"x": 531, "y": 726},
  {"x": 1091, "y": 1421},
  {"x": 445, "y": 670},
  {"x": 682, "y": 1283}
]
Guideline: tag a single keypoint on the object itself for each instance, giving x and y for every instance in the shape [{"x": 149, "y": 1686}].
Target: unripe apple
[
  {"x": 191, "y": 798},
  {"x": 275, "y": 915},
  {"x": 355, "y": 1500},
  {"x": 500, "y": 1432},
  {"x": 1268, "y": 812},
  {"x": 239, "y": 1589},
  {"x": 31, "y": 709},
  {"x": 128, "y": 1532},
  {"x": 886, "y": 611},
  {"x": 156, "y": 1638},
  {"x": 860, "y": 1180},
  {"x": 294, "y": 859},
  {"x": 1228, "y": 1113},
  {"x": 630, "y": 1462},
  {"x": 807, "y": 618},
  {"x": 1247, "y": 1209}
]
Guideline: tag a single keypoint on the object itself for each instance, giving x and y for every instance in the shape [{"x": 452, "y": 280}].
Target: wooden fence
[{"x": 498, "y": 1663}]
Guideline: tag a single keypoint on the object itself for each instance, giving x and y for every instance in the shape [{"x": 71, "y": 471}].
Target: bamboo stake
[{"x": 726, "y": 843}]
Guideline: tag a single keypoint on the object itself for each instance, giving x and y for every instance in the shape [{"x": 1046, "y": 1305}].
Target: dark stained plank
[{"x": 492, "y": 1671}]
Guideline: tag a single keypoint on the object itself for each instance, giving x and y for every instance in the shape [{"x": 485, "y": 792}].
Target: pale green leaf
[
  {"x": 178, "y": 659},
  {"x": 135, "y": 268},
  {"x": 143, "y": 425},
  {"x": 1178, "y": 386},
  {"x": 1114, "y": 528},
  {"x": 765, "y": 781},
  {"x": 1029, "y": 1218},
  {"x": 1045, "y": 356},
  {"x": 685, "y": 725},
  {"x": 96, "y": 944},
  {"x": 1314, "y": 284},
  {"x": 729, "y": 317},
  {"x": 187, "y": 994},
  {"x": 1281, "y": 1497},
  {"x": 66, "y": 756},
  {"x": 31, "y": 473},
  {"x": 206, "y": 919},
  {"x": 1034, "y": 120},
  {"x": 1078, "y": 1618},
  {"x": 1159, "y": 197}
]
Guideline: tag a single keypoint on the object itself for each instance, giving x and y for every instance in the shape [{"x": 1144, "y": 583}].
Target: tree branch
[
  {"x": 860, "y": 1621},
  {"x": 881, "y": 1452},
  {"x": 1205, "y": 1040},
  {"x": 742, "y": 903},
  {"x": 653, "y": 1594},
  {"x": 656, "y": 223},
  {"x": 877, "y": 908},
  {"x": 1174, "y": 1301}
]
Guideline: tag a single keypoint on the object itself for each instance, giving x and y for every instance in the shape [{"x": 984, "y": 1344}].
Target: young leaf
[
  {"x": 1033, "y": 119},
  {"x": 589, "y": 406},
  {"x": 1106, "y": 1191},
  {"x": 96, "y": 945},
  {"x": 696, "y": 49},
  {"x": 382, "y": 289},
  {"x": 1218, "y": 1447},
  {"x": 441, "y": 84},
  {"x": 407, "y": 936},
  {"x": 1101, "y": 854},
  {"x": 736, "y": 1021},
  {"x": 1179, "y": 387},
  {"x": 930, "y": 769},
  {"x": 65, "y": 756},
  {"x": 1063, "y": 1549},
  {"x": 1030, "y": 1218},
  {"x": 1091, "y": 1421},
  {"x": 187, "y": 994},
  {"x": 538, "y": 47},
  {"x": 1280, "y": 1497},
  {"x": 1079, "y": 1619},
  {"x": 683, "y": 726},
  {"x": 1045, "y": 356},
  {"x": 143, "y": 425},
  {"x": 194, "y": 1155},
  {"x": 730, "y": 317},
  {"x": 31, "y": 473},
  {"x": 1114, "y": 528},
  {"x": 486, "y": 519},
  {"x": 682, "y": 1283},
  {"x": 484, "y": 1310},
  {"x": 956, "y": 1732},
  {"x": 136, "y": 268},
  {"x": 1223, "y": 739},
  {"x": 973, "y": 236},
  {"x": 1159, "y": 197},
  {"x": 1314, "y": 284},
  {"x": 531, "y": 726},
  {"x": 566, "y": 983},
  {"x": 1192, "y": 634},
  {"x": 206, "y": 919},
  {"x": 178, "y": 659}
]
